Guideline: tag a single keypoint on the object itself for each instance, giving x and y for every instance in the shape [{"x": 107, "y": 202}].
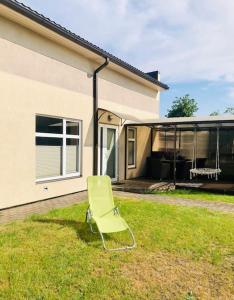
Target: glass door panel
[
  {"x": 108, "y": 151},
  {"x": 111, "y": 152}
]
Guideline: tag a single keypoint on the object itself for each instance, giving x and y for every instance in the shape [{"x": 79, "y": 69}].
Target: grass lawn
[
  {"x": 182, "y": 253},
  {"x": 197, "y": 195}
]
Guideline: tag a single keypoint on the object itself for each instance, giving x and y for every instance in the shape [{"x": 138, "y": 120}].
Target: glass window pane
[
  {"x": 131, "y": 133},
  {"x": 131, "y": 154},
  {"x": 72, "y": 128},
  {"x": 49, "y": 125},
  {"x": 72, "y": 160},
  {"x": 48, "y": 157},
  {"x": 111, "y": 152}
]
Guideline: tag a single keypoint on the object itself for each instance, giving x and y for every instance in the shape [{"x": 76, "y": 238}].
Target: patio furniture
[
  {"x": 103, "y": 211},
  {"x": 210, "y": 172},
  {"x": 160, "y": 165},
  {"x": 157, "y": 168},
  {"x": 180, "y": 165}
]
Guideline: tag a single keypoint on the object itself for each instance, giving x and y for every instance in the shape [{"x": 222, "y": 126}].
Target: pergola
[{"x": 178, "y": 125}]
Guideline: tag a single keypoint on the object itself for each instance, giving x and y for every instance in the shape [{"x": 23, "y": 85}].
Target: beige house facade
[{"x": 47, "y": 110}]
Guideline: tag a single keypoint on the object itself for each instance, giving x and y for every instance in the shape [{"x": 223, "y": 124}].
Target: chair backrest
[{"x": 100, "y": 195}]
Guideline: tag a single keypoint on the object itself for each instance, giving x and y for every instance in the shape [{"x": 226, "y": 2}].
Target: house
[{"x": 64, "y": 104}]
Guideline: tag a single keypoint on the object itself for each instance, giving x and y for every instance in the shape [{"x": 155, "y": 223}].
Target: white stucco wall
[{"x": 38, "y": 76}]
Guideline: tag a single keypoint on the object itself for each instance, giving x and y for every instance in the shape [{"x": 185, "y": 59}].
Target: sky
[{"x": 191, "y": 42}]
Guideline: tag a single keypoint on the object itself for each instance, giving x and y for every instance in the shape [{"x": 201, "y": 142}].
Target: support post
[
  {"x": 174, "y": 163},
  {"x": 125, "y": 150},
  {"x": 151, "y": 139}
]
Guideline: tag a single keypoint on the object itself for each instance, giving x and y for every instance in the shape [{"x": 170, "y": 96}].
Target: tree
[
  {"x": 229, "y": 110},
  {"x": 215, "y": 113},
  {"x": 183, "y": 107}
]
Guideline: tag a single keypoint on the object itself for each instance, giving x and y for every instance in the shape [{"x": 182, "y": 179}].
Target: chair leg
[
  {"x": 133, "y": 245},
  {"x": 91, "y": 228},
  {"x": 88, "y": 220},
  {"x": 86, "y": 217}
]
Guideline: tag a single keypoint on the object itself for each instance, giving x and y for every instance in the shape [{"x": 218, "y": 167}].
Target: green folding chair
[{"x": 103, "y": 211}]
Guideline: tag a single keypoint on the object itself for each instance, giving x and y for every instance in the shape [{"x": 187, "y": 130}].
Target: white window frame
[
  {"x": 134, "y": 140},
  {"x": 63, "y": 136}
]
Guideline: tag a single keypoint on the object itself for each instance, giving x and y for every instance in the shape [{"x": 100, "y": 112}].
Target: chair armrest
[{"x": 115, "y": 210}]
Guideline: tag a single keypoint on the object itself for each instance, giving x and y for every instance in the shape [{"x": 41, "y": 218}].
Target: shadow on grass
[{"x": 82, "y": 229}]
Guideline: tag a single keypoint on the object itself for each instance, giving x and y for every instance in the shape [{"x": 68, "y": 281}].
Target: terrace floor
[{"x": 145, "y": 185}]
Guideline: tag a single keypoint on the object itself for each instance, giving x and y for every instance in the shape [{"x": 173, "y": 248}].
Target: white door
[{"x": 108, "y": 136}]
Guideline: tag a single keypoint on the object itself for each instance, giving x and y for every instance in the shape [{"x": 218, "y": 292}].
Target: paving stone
[
  {"x": 21, "y": 212},
  {"x": 217, "y": 206}
]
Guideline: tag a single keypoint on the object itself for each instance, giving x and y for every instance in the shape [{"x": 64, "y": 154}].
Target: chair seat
[{"x": 110, "y": 223}]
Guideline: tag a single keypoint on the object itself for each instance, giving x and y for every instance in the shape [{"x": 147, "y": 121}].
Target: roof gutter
[{"x": 95, "y": 115}]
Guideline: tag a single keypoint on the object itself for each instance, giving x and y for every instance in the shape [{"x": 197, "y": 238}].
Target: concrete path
[
  {"x": 212, "y": 205},
  {"x": 21, "y": 212}
]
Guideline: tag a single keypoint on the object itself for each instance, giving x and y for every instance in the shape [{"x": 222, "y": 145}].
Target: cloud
[{"x": 186, "y": 40}]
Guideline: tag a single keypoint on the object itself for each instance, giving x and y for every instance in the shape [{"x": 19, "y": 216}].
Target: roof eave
[{"x": 187, "y": 120}]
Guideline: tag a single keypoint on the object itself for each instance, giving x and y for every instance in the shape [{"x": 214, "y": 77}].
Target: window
[
  {"x": 131, "y": 147},
  {"x": 57, "y": 148}
]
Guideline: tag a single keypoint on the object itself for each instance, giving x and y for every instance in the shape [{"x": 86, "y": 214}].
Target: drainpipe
[{"x": 95, "y": 116}]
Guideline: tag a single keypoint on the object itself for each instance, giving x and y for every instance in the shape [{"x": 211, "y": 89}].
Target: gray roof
[
  {"x": 187, "y": 120},
  {"x": 41, "y": 19}
]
